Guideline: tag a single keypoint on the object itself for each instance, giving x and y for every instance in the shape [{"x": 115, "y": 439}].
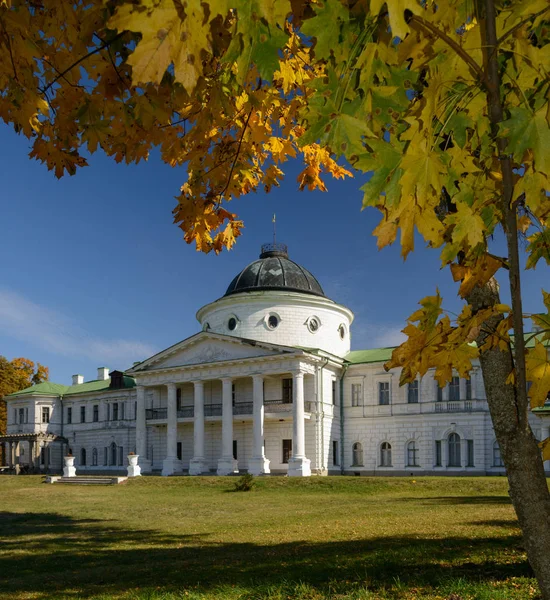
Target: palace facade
[{"x": 268, "y": 385}]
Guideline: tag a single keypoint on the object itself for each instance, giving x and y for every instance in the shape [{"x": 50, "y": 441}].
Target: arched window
[
  {"x": 82, "y": 457},
  {"x": 497, "y": 459},
  {"x": 357, "y": 452},
  {"x": 385, "y": 454},
  {"x": 412, "y": 454},
  {"x": 454, "y": 450},
  {"x": 94, "y": 457},
  {"x": 113, "y": 454}
]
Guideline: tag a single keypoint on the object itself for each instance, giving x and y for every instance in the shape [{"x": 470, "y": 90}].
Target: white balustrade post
[
  {"x": 298, "y": 465},
  {"x": 141, "y": 430},
  {"x": 258, "y": 464},
  {"x": 171, "y": 464},
  {"x": 197, "y": 464},
  {"x": 227, "y": 464}
]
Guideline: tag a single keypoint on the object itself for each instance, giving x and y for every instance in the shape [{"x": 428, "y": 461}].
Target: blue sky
[{"x": 94, "y": 272}]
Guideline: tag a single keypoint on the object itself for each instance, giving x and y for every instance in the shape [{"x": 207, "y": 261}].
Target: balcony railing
[
  {"x": 458, "y": 406},
  {"x": 215, "y": 410},
  {"x": 156, "y": 413}
]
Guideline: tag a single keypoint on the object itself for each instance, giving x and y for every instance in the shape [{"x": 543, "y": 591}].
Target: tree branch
[
  {"x": 520, "y": 25},
  {"x": 236, "y": 154},
  {"x": 81, "y": 59},
  {"x": 450, "y": 42}
]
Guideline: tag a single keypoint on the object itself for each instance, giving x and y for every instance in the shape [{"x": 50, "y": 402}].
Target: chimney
[
  {"x": 78, "y": 379},
  {"x": 103, "y": 373}
]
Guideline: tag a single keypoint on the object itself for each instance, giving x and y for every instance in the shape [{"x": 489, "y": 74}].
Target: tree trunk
[{"x": 519, "y": 449}]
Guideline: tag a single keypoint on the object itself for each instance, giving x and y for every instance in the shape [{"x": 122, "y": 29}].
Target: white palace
[{"x": 268, "y": 385}]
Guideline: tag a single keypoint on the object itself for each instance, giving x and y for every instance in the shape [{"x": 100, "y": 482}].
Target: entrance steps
[{"x": 86, "y": 480}]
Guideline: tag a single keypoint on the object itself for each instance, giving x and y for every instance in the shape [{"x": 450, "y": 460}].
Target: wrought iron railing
[
  {"x": 213, "y": 410},
  {"x": 186, "y": 412},
  {"x": 243, "y": 408},
  {"x": 156, "y": 413}
]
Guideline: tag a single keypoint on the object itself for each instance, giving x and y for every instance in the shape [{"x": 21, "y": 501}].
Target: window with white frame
[
  {"x": 454, "y": 389},
  {"x": 45, "y": 414},
  {"x": 287, "y": 390},
  {"x": 95, "y": 413},
  {"x": 383, "y": 392},
  {"x": 357, "y": 454},
  {"x": 497, "y": 458},
  {"x": 83, "y": 457},
  {"x": 412, "y": 454},
  {"x": 454, "y": 450},
  {"x": 438, "y": 392},
  {"x": 115, "y": 411},
  {"x": 412, "y": 392},
  {"x": 21, "y": 416},
  {"x": 438, "y": 453},
  {"x": 94, "y": 457},
  {"x": 385, "y": 454},
  {"x": 470, "y": 453},
  {"x": 69, "y": 415},
  {"x": 83, "y": 414},
  {"x": 356, "y": 394},
  {"x": 469, "y": 389}
]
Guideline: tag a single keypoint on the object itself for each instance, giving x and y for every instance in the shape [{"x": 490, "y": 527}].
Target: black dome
[{"x": 275, "y": 271}]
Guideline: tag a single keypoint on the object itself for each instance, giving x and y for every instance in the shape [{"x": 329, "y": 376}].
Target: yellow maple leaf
[
  {"x": 173, "y": 32},
  {"x": 538, "y": 372}
]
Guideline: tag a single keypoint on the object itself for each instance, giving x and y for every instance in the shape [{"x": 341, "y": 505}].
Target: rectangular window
[
  {"x": 69, "y": 415},
  {"x": 178, "y": 450},
  {"x": 468, "y": 389},
  {"x": 120, "y": 456},
  {"x": 356, "y": 394},
  {"x": 438, "y": 453},
  {"x": 27, "y": 415},
  {"x": 45, "y": 414},
  {"x": 135, "y": 410},
  {"x": 334, "y": 391},
  {"x": 21, "y": 416},
  {"x": 335, "y": 453},
  {"x": 234, "y": 394},
  {"x": 122, "y": 410},
  {"x": 105, "y": 457},
  {"x": 43, "y": 456},
  {"x": 115, "y": 411},
  {"x": 235, "y": 450},
  {"x": 108, "y": 412},
  {"x": 15, "y": 416},
  {"x": 470, "y": 453},
  {"x": 287, "y": 450},
  {"x": 83, "y": 414},
  {"x": 412, "y": 392},
  {"x": 439, "y": 392},
  {"x": 383, "y": 392},
  {"x": 178, "y": 399},
  {"x": 454, "y": 389},
  {"x": 96, "y": 413},
  {"x": 287, "y": 390}
]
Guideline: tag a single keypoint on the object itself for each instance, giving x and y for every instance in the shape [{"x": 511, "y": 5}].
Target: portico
[{"x": 247, "y": 392}]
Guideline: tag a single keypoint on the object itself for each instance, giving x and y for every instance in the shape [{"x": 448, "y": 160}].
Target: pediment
[{"x": 205, "y": 348}]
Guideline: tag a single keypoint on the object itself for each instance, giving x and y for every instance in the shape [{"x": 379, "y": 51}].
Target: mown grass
[{"x": 312, "y": 539}]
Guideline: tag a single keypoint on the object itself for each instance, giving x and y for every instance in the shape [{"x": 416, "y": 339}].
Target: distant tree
[{"x": 16, "y": 375}]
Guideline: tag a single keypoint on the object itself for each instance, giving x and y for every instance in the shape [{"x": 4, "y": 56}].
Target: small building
[{"x": 268, "y": 385}]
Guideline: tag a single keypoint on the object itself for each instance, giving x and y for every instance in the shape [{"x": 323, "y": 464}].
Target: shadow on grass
[
  {"x": 49, "y": 556},
  {"x": 456, "y": 500}
]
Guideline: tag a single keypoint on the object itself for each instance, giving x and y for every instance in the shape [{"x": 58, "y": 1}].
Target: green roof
[
  {"x": 356, "y": 357},
  {"x": 56, "y": 389},
  {"x": 47, "y": 388}
]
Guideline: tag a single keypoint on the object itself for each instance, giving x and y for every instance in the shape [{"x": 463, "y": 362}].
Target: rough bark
[{"x": 519, "y": 449}]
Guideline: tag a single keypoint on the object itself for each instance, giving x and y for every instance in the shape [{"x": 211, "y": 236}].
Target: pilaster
[
  {"x": 197, "y": 465},
  {"x": 141, "y": 430}
]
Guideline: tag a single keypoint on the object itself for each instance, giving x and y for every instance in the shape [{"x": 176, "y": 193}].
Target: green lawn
[{"x": 331, "y": 537}]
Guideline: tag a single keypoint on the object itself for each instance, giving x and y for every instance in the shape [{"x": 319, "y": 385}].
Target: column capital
[
  {"x": 226, "y": 379},
  {"x": 198, "y": 382},
  {"x": 171, "y": 385},
  {"x": 297, "y": 373}
]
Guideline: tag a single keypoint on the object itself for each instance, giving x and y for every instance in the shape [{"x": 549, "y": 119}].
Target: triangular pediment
[{"x": 207, "y": 347}]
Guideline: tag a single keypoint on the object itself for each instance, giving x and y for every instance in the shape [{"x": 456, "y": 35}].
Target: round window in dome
[
  {"x": 232, "y": 323},
  {"x": 313, "y": 324},
  {"x": 342, "y": 331},
  {"x": 272, "y": 321}
]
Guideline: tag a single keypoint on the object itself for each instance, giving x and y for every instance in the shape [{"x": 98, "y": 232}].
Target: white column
[
  {"x": 258, "y": 464},
  {"x": 298, "y": 465},
  {"x": 545, "y": 433},
  {"x": 141, "y": 430},
  {"x": 197, "y": 464},
  {"x": 171, "y": 464},
  {"x": 226, "y": 464}
]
